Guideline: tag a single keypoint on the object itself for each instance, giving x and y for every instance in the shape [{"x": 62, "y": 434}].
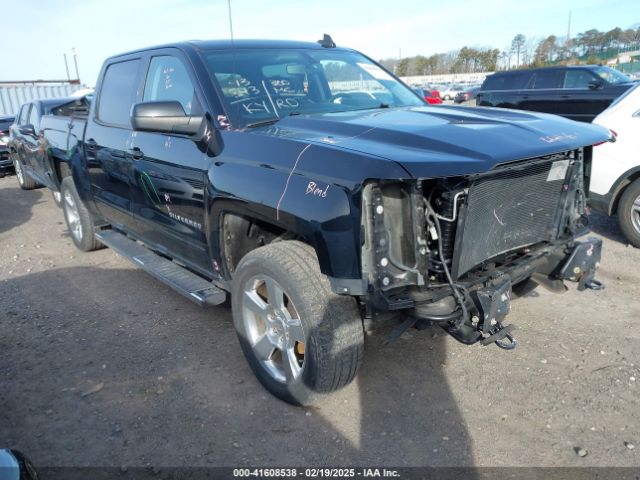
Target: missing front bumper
[{"x": 490, "y": 302}]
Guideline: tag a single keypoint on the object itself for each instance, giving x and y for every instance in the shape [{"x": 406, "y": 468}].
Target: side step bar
[{"x": 195, "y": 288}]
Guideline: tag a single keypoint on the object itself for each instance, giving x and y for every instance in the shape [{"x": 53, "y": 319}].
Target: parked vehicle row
[
  {"x": 467, "y": 95},
  {"x": 576, "y": 92},
  {"x": 428, "y": 96},
  {"x": 5, "y": 162},
  {"x": 451, "y": 91}
]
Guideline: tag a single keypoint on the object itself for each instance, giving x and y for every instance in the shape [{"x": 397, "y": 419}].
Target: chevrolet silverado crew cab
[{"x": 325, "y": 197}]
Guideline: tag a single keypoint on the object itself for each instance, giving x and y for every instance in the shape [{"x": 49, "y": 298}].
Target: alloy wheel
[
  {"x": 273, "y": 328},
  {"x": 635, "y": 214},
  {"x": 19, "y": 174},
  {"x": 73, "y": 216}
]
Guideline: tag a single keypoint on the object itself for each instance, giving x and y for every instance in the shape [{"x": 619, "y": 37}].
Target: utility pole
[
  {"x": 66, "y": 65},
  {"x": 569, "y": 29},
  {"x": 75, "y": 61}
]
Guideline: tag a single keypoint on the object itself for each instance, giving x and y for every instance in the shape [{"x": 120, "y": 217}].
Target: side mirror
[
  {"x": 594, "y": 84},
  {"x": 27, "y": 130},
  {"x": 164, "y": 117}
]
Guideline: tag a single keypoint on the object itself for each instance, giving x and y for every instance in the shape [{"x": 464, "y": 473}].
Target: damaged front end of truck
[{"x": 450, "y": 251}]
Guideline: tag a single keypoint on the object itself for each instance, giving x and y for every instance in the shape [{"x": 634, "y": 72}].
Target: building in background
[{"x": 13, "y": 94}]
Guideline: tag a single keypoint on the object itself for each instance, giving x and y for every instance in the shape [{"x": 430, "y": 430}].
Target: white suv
[{"x": 615, "y": 175}]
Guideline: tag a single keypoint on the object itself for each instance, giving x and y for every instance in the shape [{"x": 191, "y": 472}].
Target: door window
[
  {"x": 168, "y": 79},
  {"x": 546, "y": 79},
  {"x": 506, "y": 81},
  {"x": 34, "y": 118},
  {"x": 578, "y": 78},
  {"x": 24, "y": 111},
  {"x": 118, "y": 93}
]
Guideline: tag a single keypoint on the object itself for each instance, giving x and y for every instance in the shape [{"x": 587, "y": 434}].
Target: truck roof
[
  {"x": 553, "y": 67},
  {"x": 228, "y": 45}
]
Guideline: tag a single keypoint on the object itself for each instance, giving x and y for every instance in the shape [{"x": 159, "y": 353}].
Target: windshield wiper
[
  {"x": 262, "y": 123},
  {"x": 269, "y": 121},
  {"x": 382, "y": 105}
]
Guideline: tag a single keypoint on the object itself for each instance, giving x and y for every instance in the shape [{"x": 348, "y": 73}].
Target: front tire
[
  {"x": 301, "y": 340},
  {"x": 629, "y": 213},
  {"x": 79, "y": 220},
  {"x": 24, "y": 180}
]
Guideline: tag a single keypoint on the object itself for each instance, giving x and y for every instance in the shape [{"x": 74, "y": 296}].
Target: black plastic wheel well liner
[{"x": 241, "y": 234}]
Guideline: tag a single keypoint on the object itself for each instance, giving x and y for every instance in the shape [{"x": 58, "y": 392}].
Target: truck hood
[{"x": 440, "y": 141}]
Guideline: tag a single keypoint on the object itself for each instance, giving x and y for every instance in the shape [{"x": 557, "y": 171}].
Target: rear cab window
[
  {"x": 75, "y": 108},
  {"x": 118, "y": 93}
]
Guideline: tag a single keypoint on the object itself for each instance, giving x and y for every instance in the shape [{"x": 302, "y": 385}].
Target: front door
[
  {"x": 581, "y": 102},
  {"x": 169, "y": 172},
  {"x": 543, "y": 92}
]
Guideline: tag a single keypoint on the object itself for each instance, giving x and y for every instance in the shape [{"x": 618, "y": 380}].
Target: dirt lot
[{"x": 102, "y": 365}]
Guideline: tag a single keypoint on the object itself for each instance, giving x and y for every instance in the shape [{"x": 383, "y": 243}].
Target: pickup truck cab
[{"x": 321, "y": 193}]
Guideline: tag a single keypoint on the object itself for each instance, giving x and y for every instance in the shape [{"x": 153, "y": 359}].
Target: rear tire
[
  {"x": 79, "y": 221},
  {"x": 24, "y": 180},
  {"x": 629, "y": 213},
  {"x": 301, "y": 340}
]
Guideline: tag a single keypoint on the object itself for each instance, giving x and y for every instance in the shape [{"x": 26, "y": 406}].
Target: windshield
[
  {"x": 611, "y": 75},
  {"x": 263, "y": 85}
]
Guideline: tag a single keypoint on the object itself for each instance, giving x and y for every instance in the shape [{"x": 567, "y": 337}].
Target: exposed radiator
[{"x": 511, "y": 209}]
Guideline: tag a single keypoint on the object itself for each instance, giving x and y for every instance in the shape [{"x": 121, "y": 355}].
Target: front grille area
[{"x": 511, "y": 209}]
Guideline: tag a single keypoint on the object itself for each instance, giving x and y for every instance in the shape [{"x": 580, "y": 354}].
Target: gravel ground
[{"x": 102, "y": 365}]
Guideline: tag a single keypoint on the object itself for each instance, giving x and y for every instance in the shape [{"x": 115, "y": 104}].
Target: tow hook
[{"x": 499, "y": 336}]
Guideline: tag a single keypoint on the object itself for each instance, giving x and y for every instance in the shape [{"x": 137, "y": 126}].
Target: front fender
[{"x": 307, "y": 189}]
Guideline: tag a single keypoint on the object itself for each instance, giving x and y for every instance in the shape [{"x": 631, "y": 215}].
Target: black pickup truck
[{"x": 325, "y": 196}]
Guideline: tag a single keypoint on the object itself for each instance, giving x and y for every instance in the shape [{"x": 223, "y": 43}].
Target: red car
[{"x": 432, "y": 97}]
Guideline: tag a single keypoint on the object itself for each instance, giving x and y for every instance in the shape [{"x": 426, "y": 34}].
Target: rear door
[
  {"x": 502, "y": 89},
  {"x": 108, "y": 138},
  {"x": 579, "y": 102},
  {"x": 169, "y": 170},
  {"x": 543, "y": 91}
]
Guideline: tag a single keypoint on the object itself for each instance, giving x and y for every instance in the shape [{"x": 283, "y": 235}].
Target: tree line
[{"x": 591, "y": 46}]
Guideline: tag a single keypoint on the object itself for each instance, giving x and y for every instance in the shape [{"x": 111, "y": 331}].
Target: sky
[{"x": 39, "y": 32}]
